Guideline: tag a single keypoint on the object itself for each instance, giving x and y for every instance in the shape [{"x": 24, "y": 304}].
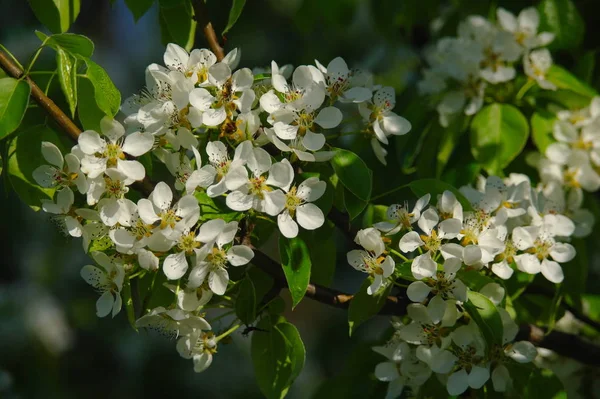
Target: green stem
[
  {"x": 11, "y": 56},
  {"x": 398, "y": 254},
  {"x": 400, "y": 285},
  {"x": 226, "y": 333},
  {"x": 335, "y": 136},
  {"x": 149, "y": 295},
  {"x": 528, "y": 85},
  {"x": 393, "y": 190},
  {"x": 34, "y": 59},
  {"x": 134, "y": 275}
]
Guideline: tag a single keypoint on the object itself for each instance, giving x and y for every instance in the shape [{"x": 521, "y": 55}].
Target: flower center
[
  {"x": 432, "y": 242},
  {"x": 141, "y": 229},
  {"x": 168, "y": 218},
  {"x": 292, "y": 201},
  {"x": 115, "y": 188},
  {"x": 112, "y": 153},
  {"x": 258, "y": 186},
  {"x": 187, "y": 242},
  {"x": 217, "y": 258}
]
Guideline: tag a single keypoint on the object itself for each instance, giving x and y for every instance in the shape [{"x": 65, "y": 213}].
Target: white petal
[
  {"x": 146, "y": 211},
  {"x": 137, "y": 143},
  {"x": 494, "y": 292},
  {"x": 329, "y": 117},
  {"x": 478, "y": 376},
  {"x": 148, "y": 260},
  {"x": 161, "y": 196},
  {"x": 410, "y": 241},
  {"x": 386, "y": 371},
  {"x": 395, "y": 124},
  {"x": 428, "y": 221},
  {"x": 104, "y": 304},
  {"x": 201, "y": 99},
  {"x": 90, "y": 142},
  {"x": 522, "y": 352},
  {"x": 175, "y": 266},
  {"x": 287, "y": 225},
  {"x": 111, "y": 128},
  {"x": 239, "y": 201},
  {"x": 210, "y": 230},
  {"x": 313, "y": 141},
  {"x": 94, "y": 276},
  {"x": 310, "y": 216},
  {"x": 281, "y": 174},
  {"x": 423, "y": 266},
  {"x": 457, "y": 382},
  {"x": 500, "y": 378},
  {"x": 217, "y": 281},
  {"x": 52, "y": 154},
  {"x": 418, "y": 291},
  {"x": 552, "y": 271},
  {"x": 132, "y": 169},
  {"x": 273, "y": 202},
  {"x": 239, "y": 255},
  {"x": 562, "y": 253}
]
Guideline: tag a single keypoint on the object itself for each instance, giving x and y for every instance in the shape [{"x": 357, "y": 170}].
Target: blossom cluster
[
  {"x": 570, "y": 166},
  {"x": 503, "y": 226},
  {"x": 223, "y": 134},
  {"x": 464, "y": 68}
]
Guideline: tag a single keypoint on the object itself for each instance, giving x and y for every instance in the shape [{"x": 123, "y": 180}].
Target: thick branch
[
  {"x": 201, "y": 16},
  {"x": 38, "y": 95}
]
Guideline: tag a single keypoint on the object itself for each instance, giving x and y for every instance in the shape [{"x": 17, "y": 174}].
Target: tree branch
[
  {"x": 201, "y": 16},
  {"x": 38, "y": 95}
]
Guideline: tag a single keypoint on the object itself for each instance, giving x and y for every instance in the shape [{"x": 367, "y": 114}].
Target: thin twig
[
  {"x": 201, "y": 16},
  {"x": 42, "y": 99}
]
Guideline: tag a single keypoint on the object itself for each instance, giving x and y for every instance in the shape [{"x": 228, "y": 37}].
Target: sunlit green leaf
[
  {"x": 234, "y": 14},
  {"x": 56, "y": 15},
  {"x": 295, "y": 259},
  {"x": 486, "y": 315},
  {"x": 564, "y": 79},
  {"x": 67, "y": 76},
  {"x": 562, "y": 18},
  {"x": 77, "y": 45},
  {"x": 14, "y": 96},
  {"x": 499, "y": 133},
  {"x": 353, "y": 173}
]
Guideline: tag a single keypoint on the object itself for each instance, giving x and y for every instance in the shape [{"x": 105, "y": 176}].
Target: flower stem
[
  {"x": 528, "y": 85},
  {"x": 226, "y": 333},
  {"x": 398, "y": 254},
  {"x": 393, "y": 190}
]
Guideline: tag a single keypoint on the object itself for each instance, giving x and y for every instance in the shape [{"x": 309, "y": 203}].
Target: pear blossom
[
  {"x": 298, "y": 204},
  {"x": 524, "y": 27},
  {"x": 256, "y": 191},
  {"x": 172, "y": 323},
  {"x": 189, "y": 242},
  {"x": 297, "y": 148},
  {"x": 443, "y": 283},
  {"x": 536, "y": 65},
  {"x": 371, "y": 260},
  {"x": 543, "y": 253},
  {"x": 338, "y": 82},
  {"x": 427, "y": 330},
  {"x": 381, "y": 118},
  {"x": 472, "y": 369},
  {"x": 67, "y": 218},
  {"x": 402, "y": 368},
  {"x": 424, "y": 265},
  {"x": 192, "y": 65},
  {"x": 101, "y": 155},
  {"x": 232, "y": 92},
  {"x": 108, "y": 280},
  {"x": 62, "y": 171},
  {"x": 212, "y": 260},
  {"x": 400, "y": 218},
  {"x": 200, "y": 346},
  {"x": 213, "y": 176},
  {"x": 169, "y": 220}
]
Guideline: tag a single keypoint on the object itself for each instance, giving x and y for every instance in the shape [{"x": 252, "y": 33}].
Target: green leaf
[
  {"x": 87, "y": 109},
  {"x": 353, "y": 173},
  {"x": 498, "y": 134},
  {"x": 353, "y": 204},
  {"x": 450, "y": 139},
  {"x": 24, "y": 156},
  {"x": 177, "y": 25},
  {"x": 106, "y": 94},
  {"x": 138, "y": 7},
  {"x": 364, "y": 306},
  {"x": 234, "y": 14},
  {"x": 67, "y": 76},
  {"x": 374, "y": 214},
  {"x": 474, "y": 279},
  {"x": 542, "y": 123},
  {"x": 322, "y": 253},
  {"x": 586, "y": 65},
  {"x": 245, "y": 304},
  {"x": 56, "y": 15},
  {"x": 561, "y": 18},
  {"x": 14, "y": 96},
  {"x": 128, "y": 302},
  {"x": 295, "y": 259},
  {"x": 278, "y": 356},
  {"x": 437, "y": 187},
  {"x": 486, "y": 315},
  {"x": 77, "y": 45},
  {"x": 563, "y": 79}
]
